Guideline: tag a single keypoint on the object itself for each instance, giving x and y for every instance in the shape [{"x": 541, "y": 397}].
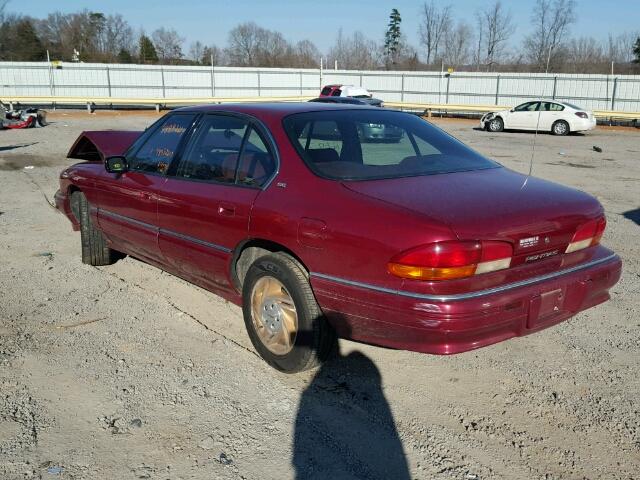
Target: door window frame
[
  {"x": 141, "y": 141},
  {"x": 252, "y": 123}
]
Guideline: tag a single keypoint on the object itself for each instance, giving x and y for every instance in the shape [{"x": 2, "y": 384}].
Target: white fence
[{"x": 597, "y": 92}]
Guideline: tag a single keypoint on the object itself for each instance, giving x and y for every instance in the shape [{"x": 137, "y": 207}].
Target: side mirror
[
  {"x": 116, "y": 164},
  {"x": 512, "y": 110}
]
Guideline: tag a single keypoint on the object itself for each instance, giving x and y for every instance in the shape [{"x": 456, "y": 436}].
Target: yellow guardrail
[{"x": 428, "y": 108}]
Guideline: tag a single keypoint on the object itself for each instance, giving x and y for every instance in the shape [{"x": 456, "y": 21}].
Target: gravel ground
[{"x": 127, "y": 372}]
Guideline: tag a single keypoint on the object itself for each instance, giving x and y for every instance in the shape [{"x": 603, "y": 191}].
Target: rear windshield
[
  {"x": 575, "y": 107},
  {"x": 371, "y": 144}
]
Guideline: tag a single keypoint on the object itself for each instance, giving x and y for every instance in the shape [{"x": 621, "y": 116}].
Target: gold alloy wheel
[{"x": 274, "y": 316}]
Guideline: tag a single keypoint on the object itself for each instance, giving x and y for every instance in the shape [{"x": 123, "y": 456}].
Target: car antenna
[{"x": 533, "y": 147}]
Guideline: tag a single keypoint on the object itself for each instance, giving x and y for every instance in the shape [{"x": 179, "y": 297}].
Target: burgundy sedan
[{"x": 423, "y": 244}]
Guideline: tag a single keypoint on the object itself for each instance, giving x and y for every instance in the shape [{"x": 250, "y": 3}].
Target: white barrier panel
[{"x": 118, "y": 81}]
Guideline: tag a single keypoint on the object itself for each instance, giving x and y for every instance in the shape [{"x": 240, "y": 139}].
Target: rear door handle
[{"x": 226, "y": 209}]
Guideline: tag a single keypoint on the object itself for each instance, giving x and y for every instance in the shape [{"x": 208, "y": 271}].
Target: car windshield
[{"x": 374, "y": 144}]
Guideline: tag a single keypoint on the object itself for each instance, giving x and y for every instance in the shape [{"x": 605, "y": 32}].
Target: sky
[{"x": 210, "y": 20}]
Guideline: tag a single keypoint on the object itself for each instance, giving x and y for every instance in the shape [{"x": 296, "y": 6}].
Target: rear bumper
[
  {"x": 458, "y": 323},
  {"x": 583, "y": 124}
]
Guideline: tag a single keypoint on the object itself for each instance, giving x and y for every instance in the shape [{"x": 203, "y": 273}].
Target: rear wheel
[
  {"x": 94, "y": 246},
  {"x": 496, "y": 125},
  {"x": 560, "y": 128},
  {"x": 283, "y": 319}
]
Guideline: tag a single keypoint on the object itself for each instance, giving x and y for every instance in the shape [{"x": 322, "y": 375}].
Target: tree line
[{"x": 486, "y": 44}]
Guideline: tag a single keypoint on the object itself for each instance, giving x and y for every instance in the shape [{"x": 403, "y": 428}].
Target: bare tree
[
  {"x": 117, "y": 35},
  {"x": 457, "y": 44},
  {"x": 356, "y": 52},
  {"x": 168, "y": 44},
  {"x": 585, "y": 54},
  {"x": 244, "y": 43},
  {"x": 495, "y": 27},
  {"x": 212, "y": 55},
  {"x": 196, "y": 51},
  {"x": 307, "y": 54},
  {"x": 552, "y": 19},
  {"x": 435, "y": 22},
  {"x": 620, "y": 47}
]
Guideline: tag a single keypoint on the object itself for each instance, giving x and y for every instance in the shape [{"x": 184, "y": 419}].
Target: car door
[
  {"x": 523, "y": 116},
  {"x": 205, "y": 204},
  {"x": 549, "y": 113},
  {"x": 127, "y": 212}
]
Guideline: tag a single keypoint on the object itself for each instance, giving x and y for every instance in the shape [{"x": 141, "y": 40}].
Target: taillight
[
  {"x": 587, "y": 235},
  {"x": 582, "y": 115},
  {"x": 450, "y": 260}
]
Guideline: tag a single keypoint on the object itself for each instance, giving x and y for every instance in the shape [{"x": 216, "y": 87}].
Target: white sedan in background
[{"x": 559, "y": 118}]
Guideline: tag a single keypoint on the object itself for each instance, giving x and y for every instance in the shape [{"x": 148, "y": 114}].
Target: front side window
[
  {"x": 527, "y": 107},
  {"x": 227, "y": 149},
  {"x": 158, "y": 150},
  {"x": 373, "y": 144}
]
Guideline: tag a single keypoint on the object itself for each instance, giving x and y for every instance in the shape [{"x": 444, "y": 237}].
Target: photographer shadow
[{"x": 344, "y": 427}]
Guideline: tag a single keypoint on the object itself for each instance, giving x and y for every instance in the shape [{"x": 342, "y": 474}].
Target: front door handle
[{"x": 226, "y": 209}]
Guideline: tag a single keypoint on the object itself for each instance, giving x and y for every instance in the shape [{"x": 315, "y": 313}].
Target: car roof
[
  {"x": 271, "y": 109},
  {"x": 350, "y": 100}
]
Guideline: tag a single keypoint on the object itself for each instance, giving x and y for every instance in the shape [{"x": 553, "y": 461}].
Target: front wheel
[
  {"x": 94, "y": 246},
  {"x": 560, "y": 128},
  {"x": 283, "y": 319},
  {"x": 496, "y": 125}
]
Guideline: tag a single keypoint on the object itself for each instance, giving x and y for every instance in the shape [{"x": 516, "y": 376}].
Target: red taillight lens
[
  {"x": 582, "y": 115},
  {"x": 450, "y": 260},
  {"x": 587, "y": 235}
]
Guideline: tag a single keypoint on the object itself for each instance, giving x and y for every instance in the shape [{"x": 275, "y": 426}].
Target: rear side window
[
  {"x": 375, "y": 144},
  {"x": 325, "y": 91},
  {"x": 336, "y": 92},
  {"x": 226, "y": 149},
  {"x": 551, "y": 107},
  {"x": 256, "y": 164},
  {"x": 160, "y": 148}
]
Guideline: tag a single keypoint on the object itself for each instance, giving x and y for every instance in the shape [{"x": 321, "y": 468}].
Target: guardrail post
[
  {"x": 402, "y": 88},
  {"x": 613, "y": 93},
  {"x": 164, "y": 94},
  {"x": 555, "y": 87},
  {"x": 497, "y": 89},
  {"x": 300, "y": 82},
  {"x": 259, "y": 86},
  {"x": 108, "y": 81},
  {"x": 360, "y": 78},
  {"x": 447, "y": 93},
  {"x": 213, "y": 79}
]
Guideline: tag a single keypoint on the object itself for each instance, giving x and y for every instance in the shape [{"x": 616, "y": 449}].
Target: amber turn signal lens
[{"x": 430, "y": 273}]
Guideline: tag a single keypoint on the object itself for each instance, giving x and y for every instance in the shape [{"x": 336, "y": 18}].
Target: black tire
[
  {"x": 315, "y": 339},
  {"x": 495, "y": 125},
  {"x": 560, "y": 128},
  {"x": 94, "y": 246}
]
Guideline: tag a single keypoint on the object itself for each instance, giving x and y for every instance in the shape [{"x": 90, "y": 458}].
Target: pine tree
[
  {"x": 148, "y": 52},
  {"x": 636, "y": 51},
  {"x": 124, "y": 56},
  {"x": 392, "y": 37},
  {"x": 27, "y": 46}
]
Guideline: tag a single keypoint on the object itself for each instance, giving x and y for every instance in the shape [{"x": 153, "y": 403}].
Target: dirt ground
[{"x": 126, "y": 372}]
